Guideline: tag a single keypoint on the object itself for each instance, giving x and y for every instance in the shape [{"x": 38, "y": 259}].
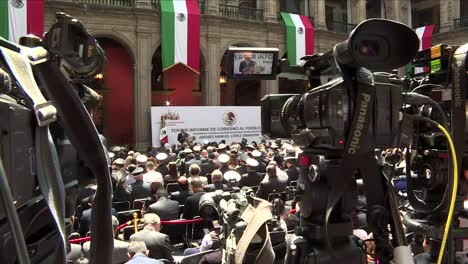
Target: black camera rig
[{"x": 41, "y": 81}]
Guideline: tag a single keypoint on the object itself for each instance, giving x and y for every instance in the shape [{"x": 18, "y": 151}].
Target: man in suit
[
  {"x": 119, "y": 254},
  {"x": 292, "y": 171},
  {"x": 217, "y": 179},
  {"x": 138, "y": 254},
  {"x": 194, "y": 172},
  {"x": 252, "y": 177},
  {"x": 159, "y": 245},
  {"x": 165, "y": 208},
  {"x": 272, "y": 184},
  {"x": 192, "y": 202},
  {"x": 181, "y": 196},
  {"x": 182, "y": 136},
  {"x": 189, "y": 161},
  {"x": 139, "y": 189},
  {"x": 210, "y": 165},
  {"x": 247, "y": 66},
  {"x": 85, "y": 219}
]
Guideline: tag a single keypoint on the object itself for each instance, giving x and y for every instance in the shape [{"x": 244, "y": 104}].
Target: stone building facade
[{"x": 135, "y": 26}]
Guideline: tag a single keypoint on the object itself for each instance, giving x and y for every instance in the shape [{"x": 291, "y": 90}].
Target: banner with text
[{"x": 211, "y": 123}]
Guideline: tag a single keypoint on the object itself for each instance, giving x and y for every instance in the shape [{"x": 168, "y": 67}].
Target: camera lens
[{"x": 369, "y": 48}]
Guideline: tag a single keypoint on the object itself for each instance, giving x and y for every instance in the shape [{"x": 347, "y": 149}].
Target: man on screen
[
  {"x": 247, "y": 66},
  {"x": 182, "y": 136}
]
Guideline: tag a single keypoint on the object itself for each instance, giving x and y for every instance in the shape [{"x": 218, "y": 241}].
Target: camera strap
[
  {"x": 358, "y": 155},
  {"x": 256, "y": 219},
  {"x": 49, "y": 176},
  {"x": 84, "y": 137}
]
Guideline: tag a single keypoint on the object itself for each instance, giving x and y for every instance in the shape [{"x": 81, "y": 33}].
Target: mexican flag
[
  {"x": 21, "y": 17},
  {"x": 163, "y": 132},
  {"x": 180, "y": 27},
  {"x": 300, "y": 37},
  {"x": 425, "y": 37}
]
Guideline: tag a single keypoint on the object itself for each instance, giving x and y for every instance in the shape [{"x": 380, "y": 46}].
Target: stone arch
[{"x": 120, "y": 38}]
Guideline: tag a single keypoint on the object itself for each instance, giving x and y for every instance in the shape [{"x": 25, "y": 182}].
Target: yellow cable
[{"x": 454, "y": 192}]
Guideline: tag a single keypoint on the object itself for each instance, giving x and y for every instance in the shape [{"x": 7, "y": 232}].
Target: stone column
[
  {"x": 270, "y": 10},
  {"x": 212, "y": 67},
  {"x": 446, "y": 20},
  {"x": 358, "y": 11},
  {"x": 212, "y": 7},
  {"x": 317, "y": 8},
  {"x": 142, "y": 100},
  {"x": 143, "y": 4},
  {"x": 269, "y": 87}
]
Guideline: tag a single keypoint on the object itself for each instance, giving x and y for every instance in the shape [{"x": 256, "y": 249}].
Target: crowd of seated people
[{"x": 166, "y": 184}]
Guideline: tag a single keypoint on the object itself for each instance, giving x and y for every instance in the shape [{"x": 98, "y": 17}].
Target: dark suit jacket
[
  {"x": 191, "y": 205},
  {"x": 208, "y": 167},
  {"x": 270, "y": 185},
  {"x": 121, "y": 194},
  {"x": 216, "y": 186},
  {"x": 250, "y": 179},
  {"x": 180, "y": 196},
  {"x": 293, "y": 173},
  {"x": 243, "y": 66},
  {"x": 139, "y": 190},
  {"x": 215, "y": 257},
  {"x": 158, "y": 244},
  {"x": 165, "y": 208},
  {"x": 162, "y": 168},
  {"x": 85, "y": 221}
]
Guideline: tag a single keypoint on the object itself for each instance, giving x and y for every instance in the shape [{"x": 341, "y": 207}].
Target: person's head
[
  {"x": 271, "y": 170},
  {"x": 211, "y": 156},
  {"x": 204, "y": 153},
  {"x": 182, "y": 131},
  {"x": 153, "y": 221},
  {"x": 135, "y": 247},
  {"x": 194, "y": 170},
  {"x": 183, "y": 183},
  {"x": 232, "y": 160},
  {"x": 149, "y": 166},
  {"x": 172, "y": 167},
  {"x": 81, "y": 260},
  {"x": 196, "y": 184},
  {"x": 161, "y": 193},
  {"x": 247, "y": 56},
  {"x": 290, "y": 162},
  {"x": 216, "y": 176}
]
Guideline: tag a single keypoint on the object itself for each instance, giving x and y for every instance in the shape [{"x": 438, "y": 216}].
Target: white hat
[
  {"x": 232, "y": 176},
  {"x": 223, "y": 158},
  {"x": 142, "y": 158}
]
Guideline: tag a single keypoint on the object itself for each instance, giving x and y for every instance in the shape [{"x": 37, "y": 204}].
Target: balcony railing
[
  {"x": 156, "y": 4},
  {"x": 280, "y": 19},
  {"x": 241, "y": 12},
  {"x": 342, "y": 27},
  {"x": 461, "y": 22},
  {"x": 118, "y": 3}
]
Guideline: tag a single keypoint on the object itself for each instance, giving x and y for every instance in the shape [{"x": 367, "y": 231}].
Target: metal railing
[
  {"x": 246, "y": 13},
  {"x": 118, "y": 3},
  {"x": 461, "y": 22},
  {"x": 280, "y": 19},
  {"x": 338, "y": 26},
  {"x": 156, "y": 4}
]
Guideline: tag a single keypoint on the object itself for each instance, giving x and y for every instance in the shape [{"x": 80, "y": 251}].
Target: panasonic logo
[
  {"x": 358, "y": 131},
  {"x": 457, "y": 87}
]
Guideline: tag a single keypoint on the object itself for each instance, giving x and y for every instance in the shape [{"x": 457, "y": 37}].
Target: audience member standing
[
  {"x": 271, "y": 184},
  {"x": 159, "y": 245}
]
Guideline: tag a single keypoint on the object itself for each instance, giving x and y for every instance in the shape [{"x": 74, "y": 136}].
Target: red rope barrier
[
  {"x": 120, "y": 227},
  {"x": 182, "y": 221},
  {"x": 80, "y": 240},
  {"x": 293, "y": 211}
]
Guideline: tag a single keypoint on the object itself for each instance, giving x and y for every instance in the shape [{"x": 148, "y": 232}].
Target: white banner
[{"x": 212, "y": 123}]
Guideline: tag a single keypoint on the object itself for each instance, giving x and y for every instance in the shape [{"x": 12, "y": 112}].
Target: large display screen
[{"x": 252, "y": 63}]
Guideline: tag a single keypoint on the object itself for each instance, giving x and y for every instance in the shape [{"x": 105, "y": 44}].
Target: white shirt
[{"x": 153, "y": 176}]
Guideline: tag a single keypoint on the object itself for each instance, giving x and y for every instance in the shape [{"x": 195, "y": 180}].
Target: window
[
  {"x": 463, "y": 8},
  {"x": 336, "y": 15},
  {"x": 425, "y": 12},
  {"x": 374, "y": 9},
  {"x": 289, "y": 6}
]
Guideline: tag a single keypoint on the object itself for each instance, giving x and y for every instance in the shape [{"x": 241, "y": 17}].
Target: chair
[
  {"x": 195, "y": 258},
  {"x": 128, "y": 231},
  {"x": 181, "y": 209},
  {"x": 255, "y": 188},
  {"x": 196, "y": 230},
  {"x": 138, "y": 203},
  {"x": 176, "y": 233},
  {"x": 172, "y": 187},
  {"x": 121, "y": 206},
  {"x": 126, "y": 216}
]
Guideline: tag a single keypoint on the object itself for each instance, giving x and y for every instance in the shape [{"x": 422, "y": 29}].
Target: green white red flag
[
  {"x": 163, "y": 137},
  {"x": 180, "y": 27},
  {"x": 300, "y": 37},
  {"x": 21, "y": 17},
  {"x": 425, "y": 36}
]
